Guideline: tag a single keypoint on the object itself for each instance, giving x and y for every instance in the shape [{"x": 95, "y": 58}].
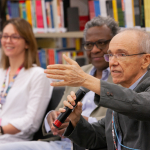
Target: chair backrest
[{"x": 55, "y": 99}]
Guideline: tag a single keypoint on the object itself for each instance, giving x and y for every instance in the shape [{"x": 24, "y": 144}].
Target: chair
[{"x": 55, "y": 99}]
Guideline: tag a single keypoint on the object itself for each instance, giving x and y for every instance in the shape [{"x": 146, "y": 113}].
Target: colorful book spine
[
  {"x": 128, "y": 14},
  {"x": 28, "y": 10},
  {"x": 15, "y": 9},
  {"x": 33, "y": 12},
  {"x": 42, "y": 58},
  {"x": 52, "y": 17},
  {"x": 51, "y": 56},
  {"x": 97, "y": 8},
  {"x": 9, "y": 15},
  {"x": 103, "y": 8},
  {"x": 115, "y": 11},
  {"x": 120, "y": 14},
  {"x": 44, "y": 16},
  {"x": 39, "y": 16}
]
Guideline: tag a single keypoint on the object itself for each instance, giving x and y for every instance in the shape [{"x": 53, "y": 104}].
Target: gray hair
[
  {"x": 143, "y": 39},
  {"x": 100, "y": 21}
]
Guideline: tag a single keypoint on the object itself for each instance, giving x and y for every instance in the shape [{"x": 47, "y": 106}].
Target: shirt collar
[
  {"x": 105, "y": 73},
  {"x": 136, "y": 83}
]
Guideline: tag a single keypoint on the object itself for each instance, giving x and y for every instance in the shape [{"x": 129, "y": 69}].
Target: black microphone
[{"x": 62, "y": 116}]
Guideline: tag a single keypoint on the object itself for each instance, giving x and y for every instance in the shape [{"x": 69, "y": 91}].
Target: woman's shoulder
[{"x": 35, "y": 70}]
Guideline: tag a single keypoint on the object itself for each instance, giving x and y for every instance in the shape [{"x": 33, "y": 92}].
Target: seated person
[
  {"x": 127, "y": 121},
  {"x": 98, "y": 32},
  {"x": 24, "y": 89}
]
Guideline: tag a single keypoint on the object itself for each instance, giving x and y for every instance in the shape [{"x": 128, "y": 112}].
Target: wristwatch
[{"x": 1, "y": 130}]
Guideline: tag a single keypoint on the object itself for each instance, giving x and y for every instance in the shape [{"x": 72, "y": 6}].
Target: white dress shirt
[{"x": 25, "y": 103}]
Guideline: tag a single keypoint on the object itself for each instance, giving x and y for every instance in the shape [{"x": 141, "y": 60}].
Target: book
[
  {"x": 66, "y": 5},
  {"x": 42, "y": 58},
  {"x": 121, "y": 14},
  {"x": 28, "y": 10},
  {"x": 9, "y": 15},
  {"x": 44, "y": 16},
  {"x": 91, "y": 9},
  {"x": 137, "y": 12},
  {"x": 128, "y": 14},
  {"x": 115, "y": 10},
  {"x": 103, "y": 8},
  {"x": 97, "y": 8},
  {"x": 48, "y": 17},
  {"x": 51, "y": 56},
  {"x": 22, "y": 6},
  {"x": 14, "y": 9},
  {"x": 73, "y": 19},
  {"x": 52, "y": 18},
  {"x": 33, "y": 12},
  {"x": 82, "y": 6},
  {"x": 109, "y": 8},
  {"x": 39, "y": 16}
]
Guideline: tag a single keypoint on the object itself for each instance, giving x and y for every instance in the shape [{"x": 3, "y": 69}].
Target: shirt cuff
[
  {"x": 47, "y": 127},
  {"x": 92, "y": 119}
]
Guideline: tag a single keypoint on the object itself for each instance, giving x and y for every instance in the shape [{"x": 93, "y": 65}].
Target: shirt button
[{"x": 108, "y": 93}]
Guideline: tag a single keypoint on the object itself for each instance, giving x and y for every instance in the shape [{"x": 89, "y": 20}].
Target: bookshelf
[
  {"x": 51, "y": 21},
  {"x": 77, "y": 34}
]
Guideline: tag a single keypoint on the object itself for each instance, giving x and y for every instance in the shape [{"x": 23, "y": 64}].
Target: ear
[
  {"x": 26, "y": 46},
  {"x": 146, "y": 61}
]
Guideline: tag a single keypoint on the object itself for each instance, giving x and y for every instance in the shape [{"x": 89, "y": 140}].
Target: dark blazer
[{"x": 132, "y": 118}]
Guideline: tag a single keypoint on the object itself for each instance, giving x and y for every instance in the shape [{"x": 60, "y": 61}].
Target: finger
[
  {"x": 67, "y": 104},
  {"x": 70, "y": 61},
  {"x": 62, "y": 110},
  {"x": 64, "y": 125},
  {"x": 55, "y": 71},
  {"x": 61, "y": 132},
  {"x": 73, "y": 95},
  {"x": 71, "y": 100},
  {"x": 67, "y": 120},
  {"x": 61, "y": 83},
  {"x": 60, "y": 77},
  {"x": 54, "y": 114},
  {"x": 79, "y": 106},
  {"x": 59, "y": 66}
]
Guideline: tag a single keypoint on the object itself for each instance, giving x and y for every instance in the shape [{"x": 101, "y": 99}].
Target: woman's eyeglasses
[{"x": 13, "y": 38}]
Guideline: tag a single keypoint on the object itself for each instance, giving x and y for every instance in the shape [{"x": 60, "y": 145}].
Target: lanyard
[
  {"x": 115, "y": 132},
  {"x": 2, "y": 94}
]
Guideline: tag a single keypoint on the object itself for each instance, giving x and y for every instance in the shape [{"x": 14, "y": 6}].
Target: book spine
[
  {"x": 33, "y": 11},
  {"x": 44, "y": 16},
  {"x": 103, "y": 8},
  {"x": 115, "y": 11},
  {"x": 128, "y": 14},
  {"x": 52, "y": 16},
  {"x": 137, "y": 12},
  {"x": 39, "y": 16},
  {"x": 9, "y": 9},
  {"x": 28, "y": 10},
  {"x": 15, "y": 9},
  {"x": 97, "y": 8}
]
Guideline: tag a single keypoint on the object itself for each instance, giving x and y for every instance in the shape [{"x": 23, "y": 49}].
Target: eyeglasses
[
  {"x": 88, "y": 46},
  {"x": 120, "y": 56},
  {"x": 13, "y": 38}
]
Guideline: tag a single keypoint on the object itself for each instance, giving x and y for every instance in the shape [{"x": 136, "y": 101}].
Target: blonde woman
[{"x": 24, "y": 89}]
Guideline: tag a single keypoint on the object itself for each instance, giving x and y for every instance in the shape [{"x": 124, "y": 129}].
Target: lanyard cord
[
  {"x": 118, "y": 138},
  {"x": 3, "y": 96}
]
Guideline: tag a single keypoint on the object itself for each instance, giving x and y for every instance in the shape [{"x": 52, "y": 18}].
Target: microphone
[{"x": 62, "y": 116}]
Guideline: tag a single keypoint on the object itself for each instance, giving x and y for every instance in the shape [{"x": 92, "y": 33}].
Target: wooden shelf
[{"x": 75, "y": 34}]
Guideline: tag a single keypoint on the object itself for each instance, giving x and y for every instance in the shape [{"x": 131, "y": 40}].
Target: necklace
[{"x": 2, "y": 94}]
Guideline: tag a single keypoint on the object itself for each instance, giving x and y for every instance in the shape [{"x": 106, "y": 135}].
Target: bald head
[{"x": 142, "y": 38}]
